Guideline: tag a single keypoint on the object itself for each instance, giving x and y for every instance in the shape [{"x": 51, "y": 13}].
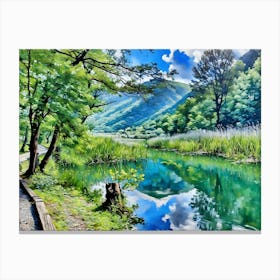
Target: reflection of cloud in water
[
  {"x": 169, "y": 213},
  {"x": 181, "y": 214}
]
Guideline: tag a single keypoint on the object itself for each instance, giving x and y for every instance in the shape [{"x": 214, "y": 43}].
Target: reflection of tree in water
[
  {"x": 215, "y": 199},
  {"x": 221, "y": 209},
  {"x": 205, "y": 214},
  {"x": 212, "y": 213}
]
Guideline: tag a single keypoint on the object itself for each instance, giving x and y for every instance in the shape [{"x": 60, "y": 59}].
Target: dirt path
[
  {"x": 28, "y": 216},
  {"x": 25, "y": 156}
]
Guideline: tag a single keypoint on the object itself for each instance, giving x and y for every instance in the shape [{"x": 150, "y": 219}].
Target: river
[{"x": 189, "y": 193}]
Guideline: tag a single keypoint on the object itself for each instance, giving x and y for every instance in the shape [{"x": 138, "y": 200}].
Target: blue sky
[{"x": 181, "y": 60}]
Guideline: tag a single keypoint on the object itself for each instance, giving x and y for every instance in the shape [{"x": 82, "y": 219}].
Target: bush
[{"x": 41, "y": 181}]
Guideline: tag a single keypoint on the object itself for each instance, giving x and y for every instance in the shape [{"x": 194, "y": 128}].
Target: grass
[
  {"x": 73, "y": 206},
  {"x": 92, "y": 150},
  {"x": 238, "y": 144},
  {"x": 72, "y": 209}
]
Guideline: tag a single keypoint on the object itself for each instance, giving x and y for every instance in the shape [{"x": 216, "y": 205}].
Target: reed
[
  {"x": 92, "y": 150},
  {"x": 236, "y": 143}
]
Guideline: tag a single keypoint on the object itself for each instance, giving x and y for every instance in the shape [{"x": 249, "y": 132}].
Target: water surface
[{"x": 191, "y": 192}]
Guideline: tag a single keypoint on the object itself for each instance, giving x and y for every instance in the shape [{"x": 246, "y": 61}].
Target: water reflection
[
  {"x": 170, "y": 213},
  {"x": 193, "y": 193}
]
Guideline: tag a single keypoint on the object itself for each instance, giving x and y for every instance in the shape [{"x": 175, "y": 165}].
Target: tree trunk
[
  {"x": 33, "y": 148},
  {"x": 56, "y": 153},
  {"x": 113, "y": 195},
  {"x": 218, "y": 122},
  {"x": 50, "y": 149},
  {"x": 25, "y": 140}
]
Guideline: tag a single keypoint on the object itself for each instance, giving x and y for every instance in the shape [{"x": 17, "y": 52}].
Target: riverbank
[
  {"x": 178, "y": 193},
  {"x": 66, "y": 192},
  {"x": 73, "y": 209},
  {"x": 66, "y": 187},
  {"x": 72, "y": 204},
  {"x": 240, "y": 145}
]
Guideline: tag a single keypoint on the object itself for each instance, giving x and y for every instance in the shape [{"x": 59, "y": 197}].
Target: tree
[
  {"x": 64, "y": 84},
  {"x": 212, "y": 75},
  {"x": 53, "y": 88},
  {"x": 243, "y": 106},
  {"x": 37, "y": 110},
  {"x": 199, "y": 118},
  {"x": 23, "y": 128}
]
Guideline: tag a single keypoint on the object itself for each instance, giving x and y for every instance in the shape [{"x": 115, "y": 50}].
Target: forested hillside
[{"x": 126, "y": 110}]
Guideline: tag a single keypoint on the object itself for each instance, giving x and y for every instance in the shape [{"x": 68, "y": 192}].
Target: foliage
[
  {"x": 243, "y": 105},
  {"x": 167, "y": 124},
  {"x": 42, "y": 181},
  {"x": 201, "y": 118},
  {"x": 130, "y": 179}
]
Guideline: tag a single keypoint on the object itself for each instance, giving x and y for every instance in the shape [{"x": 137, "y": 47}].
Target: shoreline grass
[
  {"x": 243, "y": 144},
  {"x": 96, "y": 149}
]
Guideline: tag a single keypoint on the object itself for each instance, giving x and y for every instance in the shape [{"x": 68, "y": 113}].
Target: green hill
[{"x": 128, "y": 110}]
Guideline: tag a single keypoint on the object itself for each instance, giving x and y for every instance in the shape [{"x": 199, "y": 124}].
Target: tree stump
[{"x": 113, "y": 195}]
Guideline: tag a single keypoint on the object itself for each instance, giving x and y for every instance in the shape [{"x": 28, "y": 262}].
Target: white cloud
[
  {"x": 195, "y": 54},
  {"x": 184, "y": 72},
  {"x": 181, "y": 214},
  {"x": 169, "y": 58}
]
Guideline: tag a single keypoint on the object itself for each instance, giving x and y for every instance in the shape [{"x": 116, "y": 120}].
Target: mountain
[
  {"x": 127, "y": 110},
  {"x": 250, "y": 57}
]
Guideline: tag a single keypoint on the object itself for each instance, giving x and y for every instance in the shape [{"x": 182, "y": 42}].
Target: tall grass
[
  {"x": 241, "y": 143},
  {"x": 91, "y": 150}
]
